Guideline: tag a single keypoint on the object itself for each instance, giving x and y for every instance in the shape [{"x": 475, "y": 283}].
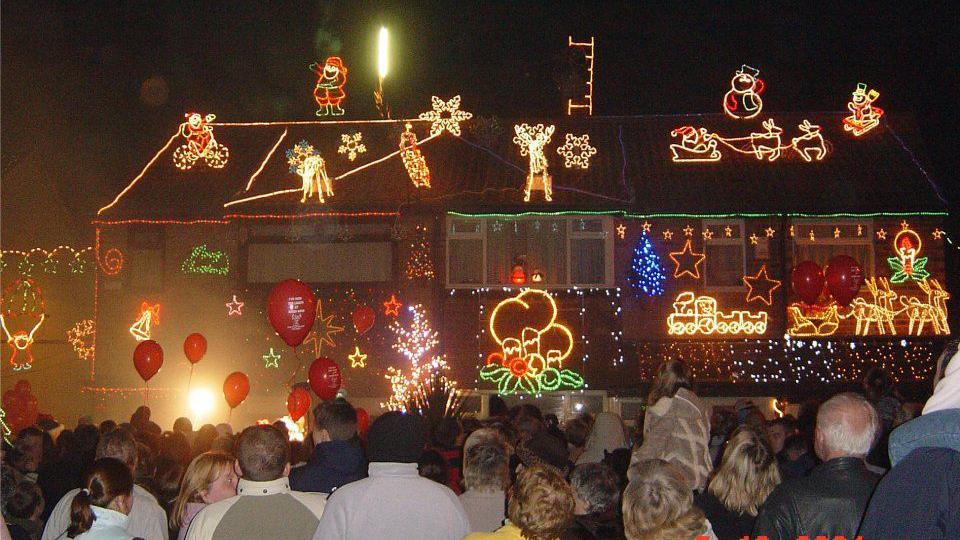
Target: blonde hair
[
  {"x": 747, "y": 474},
  {"x": 658, "y": 504},
  {"x": 202, "y": 471},
  {"x": 672, "y": 375},
  {"x": 542, "y": 503}
]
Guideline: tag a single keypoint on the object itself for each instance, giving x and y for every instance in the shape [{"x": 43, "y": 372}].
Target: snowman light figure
[
  {"x": 743, "y": 101},
  {"x": 864, "y": 116}
]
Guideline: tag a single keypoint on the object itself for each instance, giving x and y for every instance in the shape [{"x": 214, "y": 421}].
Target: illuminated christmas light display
[
  {"x": 687, "y": 262},
  {"x": 112, "y": 262},
  {"x": 412, "y": 392},
  {"x": 688, "y": 231},
  {"x": 906, "y": 265},
  {"x": 881, "y": 311},
  {"x": 647, "y": 226},
  {"x": 271, "y": 360},
  {"x": 200, "y": 144},
  {"x": 576, "y": 151},
  {"x": 532, "y": 140},
  {"x": 812, "y": 321},
  {"x": 696, "y": 144},
  {"x": 419, "y": 262},
  {"x": 82, "y": 339},
  {"x": 881, "y": 234},
  {"x": 4, "y": 428},
  {"x": 743, "y": 101},
  {"x": 668, "y": 235},
  {"x": 323, "y": 331},
  {"x": 234, "y": 307},
  {"x": 728, "y": 231},
  {"x": 937, "y": 234},
  {"x": 646, "y": 272},
  {"x": 621, "y": 231},
  {"x": 761, "y": 287},
  {"x": 417, "y": 340},
  {"x": 305, "y": 162},
  {"x": 707, "y": 234},
  {"x": 863, "y": 115},
  {"x": 770, "y": 232},
  {"x": 699, "y": 315},
  {"x": 810, "y": 146},
  {"x": 23, "y": 311},
  {"x": 392, "y": 307},
  {"x": 357, "y": 359},
  {"x": 445, "y": 116},
  {"x": 329, "y": 93},
  {"x": 204, "y": 261},
  {"x": 147, "y": 318},
  {"x": 700, "y": 145},
  {"x": 933, "y": 311},
  {"x": 588, "y": 53},
  {"x": 49, "y": 262},
  {"x": 413, "y": 159},
  {"x": 352, "y": 145},
  {"x": 533, "y": 346}
]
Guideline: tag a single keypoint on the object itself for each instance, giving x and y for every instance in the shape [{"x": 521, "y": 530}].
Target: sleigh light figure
[
  {"x": 863, "y": 115},
  {"x": 306, "y": 162},
  {"x": 696, "y": 144},
  {"x": 200, "y": 144},
  {"x": 532, "y": 141}
]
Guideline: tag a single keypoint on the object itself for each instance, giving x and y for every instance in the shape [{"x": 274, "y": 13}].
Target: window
[
  {"x": 341, "y": 262},
  {"x": 564, "y": 251},
  {"x": 145, "y": 256},
  {"x": 829, "y": 239},
  {"x": 725, "y": 264}
]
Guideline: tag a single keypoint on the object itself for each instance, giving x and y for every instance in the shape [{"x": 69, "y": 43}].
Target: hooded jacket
[
  {"x": 334, "y": 464},
  {"x": 677, "y": 429}
]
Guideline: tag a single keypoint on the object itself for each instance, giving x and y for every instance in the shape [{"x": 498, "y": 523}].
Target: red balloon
[
  {"x": 291, "y": 309},
  {"x": 807, "y": 281},
  {"x": 148, "y": 358},
  {"x": 844, "y": 279},
  {"x": 195, "y": 346},
  {"x": 363, "y": 318},
  {"x": 235, "y": 388},
  {"x": 325, "y": 378},
  {"x": 363, "y": 422},
  {"x": 298, "y": 403}
]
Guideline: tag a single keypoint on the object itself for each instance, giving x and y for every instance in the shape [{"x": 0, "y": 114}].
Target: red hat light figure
[{"x": 331, "y": 77}]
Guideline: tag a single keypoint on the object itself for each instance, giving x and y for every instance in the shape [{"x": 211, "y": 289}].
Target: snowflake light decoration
[
  {"x": 81, "y": 336},
  {"x": 296, "y": 155},
  {"x": 576, "y": 151},
  {"x": 446, "y": 115},
  {"x": 352, "y": 145}
]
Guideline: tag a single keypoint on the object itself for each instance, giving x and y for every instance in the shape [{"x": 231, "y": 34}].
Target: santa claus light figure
[{"x": 331, "y": 77}]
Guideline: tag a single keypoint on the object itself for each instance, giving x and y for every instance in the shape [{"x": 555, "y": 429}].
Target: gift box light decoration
[
  {"x": 694, "y": 314},
  {"x": 532, "y": 140},
  {"x": 200, "y": 144},
  {"x": 863, "y": 115},
  {"x": 329, "y": 93},
  {"x": 646, "y": 273},
  {"x": 743, "y": 101},
  {"x": 147, "y": 318},
  {"x": 22, "y": 312},
  {"x": 352, "y": 145},
  {"x": 304, "y": 161},
  {"x": 413, "y": 159},
  {"x": 82, "y": 338},
  {"x": 906, "y": 265},
  {"x": 576, "y": 151},
  {"x": 533, "y": 346},
  {"x": 204, "y": 261},
  {"x": 697, "y": 144},
  {"x": 445, "y": 116}
]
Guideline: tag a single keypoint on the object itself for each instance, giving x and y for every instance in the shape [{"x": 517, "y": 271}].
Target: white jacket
[
  {"x": 107, "y": 525},
  {"x": 147, "y": 520}
]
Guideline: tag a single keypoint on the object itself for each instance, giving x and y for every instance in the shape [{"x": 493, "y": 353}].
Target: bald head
[{"x": 846, "y": 427}]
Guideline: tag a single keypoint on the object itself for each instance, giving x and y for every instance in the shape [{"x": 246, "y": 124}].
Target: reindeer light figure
[
  {"x": 810, "y": 145},
  {"x": 940, "y": 297},
  {"x": 880, "y": 311},
  {"x": 532, "y": 141},
  {"x": 921, "y": 313},
  {"x": 767, "y": 144}
]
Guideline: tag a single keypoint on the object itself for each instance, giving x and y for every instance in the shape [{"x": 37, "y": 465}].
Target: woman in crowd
[
  {"x": 596, "y": 492},
  {"x": 676, "y": 427},
  {"x": 608, "y": 434},
  {"x": 747, "y": 474},
  {"x": 210, "y": 477},
  {"x": 23, "y": 507},
  {"x": 99, "y": 511},
  {"x": 540, "y": 508},
  {"x": 658, "y": 505}
]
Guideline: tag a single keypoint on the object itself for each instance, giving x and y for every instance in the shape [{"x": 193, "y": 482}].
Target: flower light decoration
[
  {"x": 23, "y": 311},
  {"x": 906, "y": 265},
  {"x": 200, "y": 144},
  {"x": 576, "y": 151},
  {"x": 413, "y": 159},
  {"x": 863, "y": 115},
  {"x": 532, "y": 140},
  {"x": 743, "y": 101},
  {"x": 147, "y": 318},
  {"x": 699, "y": 315},
  {"x": 205, "y": 261},
  {"x": 445, "y": 116},
  {"x": 81, "y": 337},
  {"x": 352, "y": 145},
  {"x": 304, "y": 161},
  {"x": 328, "y": 93},
  {"x": 533, "y": 346}
]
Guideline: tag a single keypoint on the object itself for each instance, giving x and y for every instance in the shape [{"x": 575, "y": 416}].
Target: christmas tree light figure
[
  {"x": 419, "y": 263},
  {"x": 646, "y": 272}
]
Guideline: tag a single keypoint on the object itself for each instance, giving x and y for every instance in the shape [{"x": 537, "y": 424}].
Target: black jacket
[
  {"x": 727, "y": 524},
  {"x": 830, "y": 502},
  {"x": 333, "y": 465}
]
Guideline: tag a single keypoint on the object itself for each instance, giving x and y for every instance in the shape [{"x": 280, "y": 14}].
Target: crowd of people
[{"x": 856, "y": 464}]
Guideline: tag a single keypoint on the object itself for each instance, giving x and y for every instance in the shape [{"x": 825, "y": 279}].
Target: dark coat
[
  {"x": 830, "y": 501},
  {"x": 334, "y": 464},
  {"x": 726, "y": 523}
]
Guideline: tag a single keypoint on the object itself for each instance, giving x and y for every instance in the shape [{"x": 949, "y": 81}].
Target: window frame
[
  {"x": 721, "y": 240},
  {"x": 801, "y": 238}
]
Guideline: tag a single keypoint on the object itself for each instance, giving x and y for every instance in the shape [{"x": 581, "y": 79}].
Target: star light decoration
[
  {"x": 445, "y": 116},
  {"x": 392, "y": 307},
  {"x": 688, "y": 231},
  {"x": 646, "y": 226},
  {"x": 323, "y": 331},
  {"x": 234, "y": 307},
  {"x": 271, "y": 360},
  {"x": 576, "y": 151},
  {"x": 707, "y": 234},
  {"x": 357, "y": 359},
  {"x": 621, "y": 231},
  {"x": 728, "y": 231},
  {"x": 754, "y": 240},
  {"x": 668, "y": 235},
  {"x": 770, "y": 232},
  {"x": 352, "y": 145},
  {"x": 761, "y": 287},
  {"x": 687, "y": 261},
  {"x": 937, "y": 234},
  {"x": 81, "y": 337},
  {"x": 881, "y": 234}
]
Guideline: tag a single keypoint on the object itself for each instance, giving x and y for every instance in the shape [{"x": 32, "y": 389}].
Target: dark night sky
[{"x": 77, "y": 122}]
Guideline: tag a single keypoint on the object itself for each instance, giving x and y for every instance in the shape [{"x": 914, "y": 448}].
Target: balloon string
[
  {"x": 230, "y": 415},
  {"x": 190, "y": 381},
  {"x": 296, "y": 371}
]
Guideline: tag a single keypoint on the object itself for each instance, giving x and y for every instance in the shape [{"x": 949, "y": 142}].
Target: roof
[{"x": 482, "y": 170}]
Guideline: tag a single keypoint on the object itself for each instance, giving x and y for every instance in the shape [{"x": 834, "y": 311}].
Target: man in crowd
[
  {"x": 336, "y": 460},
  {"x": 486, "y": 470},
  {"x": 596, "y": 494},
  {"x": 146, "y": 519},
  {"x": 831, "y": 500},
  {"x": 394, "y": 501},
  {"x": 265, "y": 506}
]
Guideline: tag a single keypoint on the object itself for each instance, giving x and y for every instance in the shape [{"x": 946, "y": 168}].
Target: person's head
[
  {"x": 183, "y": 425},
  {"x": 487, "y": 435},
  {"x": 541, "y": 503},
  {"x": 108, "y": 485},
  {"x": 747, "y": 474},
  {"x": 209, "y": 478},
  {"x": 140, "y": 417},
  {"x": 282, "y": 427},
  {"x": 596, "y": 489},
  {"x": 877, "y": 383},
  {"x": 846, "y": 427},
  {"x": 396, "y": 437},
  {"x": 658, "y": 503},
  {"x": 576, "y": 430},
  {"x": 498, "y": 407},
  {"x": 432, "y": 465},
  {"x": 86, "y": 438},
  {"x": 777, "y": 432},
  {"x": 528, "y": 427},
  {"x": 107, "y": 426},
  {"x": 795, "y": 446},
  {"x": 30, "y": 443},
  {"x": 263, "y": 454},
  {"x": 486, "y": 467},
  {"x": 334, "y": 420},
  {"x": 204, "y": 438},
  {"x": 544, "y": 448},
  {"x": 174, "y": 445},
  {"x": 120, "y": 445},
  {"x": 25, "y": 501},
  {"x": 672, "y": 375},
  {"x": 166, "y": 479},
  {"x": 446, "y": 433}
]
